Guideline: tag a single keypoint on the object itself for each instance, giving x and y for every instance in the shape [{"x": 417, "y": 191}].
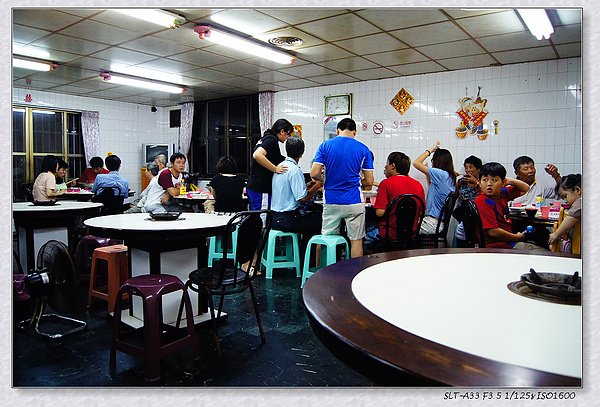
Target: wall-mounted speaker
[{"x": 175, "y": 118}]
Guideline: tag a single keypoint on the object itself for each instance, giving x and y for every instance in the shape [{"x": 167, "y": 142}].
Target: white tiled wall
[
  {"x": 537, "y": 105},
  {"x": 124, "y": 127}
]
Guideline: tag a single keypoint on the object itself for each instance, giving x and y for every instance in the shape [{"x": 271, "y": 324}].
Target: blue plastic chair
[
  {"x": 329, "y": 244},
  {"x": 290, "y": 258}
]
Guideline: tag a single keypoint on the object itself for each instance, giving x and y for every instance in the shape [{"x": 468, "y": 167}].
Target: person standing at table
[
  {"x": 266, "y": 158},
  {"x": 169, "y": 180},
  {"x": 44, "y": 188},
  {"x": 112, "y": 180},
  {"x": 441, "y": 181},
  {"x": 291, "y": 192},
  {"x": 227, "y": 187},
  {"x": 343, "y": 159},
  {"x": 538, "y": 186},
  {"x": 397, "y": 182},
  {"x": 96, "y": 167}
]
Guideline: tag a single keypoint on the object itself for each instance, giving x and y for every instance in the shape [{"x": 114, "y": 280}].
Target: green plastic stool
[
  {"x": 289, "y": 259},
  {"x": 214, "y": 248},
  {"x": 329, "y": 244}
]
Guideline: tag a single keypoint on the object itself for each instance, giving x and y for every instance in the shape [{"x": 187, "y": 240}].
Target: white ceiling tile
[
  {"x": 167, "y": 65},
  {"x": 305, "y": 71},
  {"x": 200, "y": 57},
  {"x": 567, "y": 33},
  {"x": 69, "y": 44},
  {"x": 371, "y": 43},
  {"x": 569, "y": 16},
  {"x": 370, "y": 74},
  {"x": 270, "y": 76},
  {"x": 82, "y": 12},
  {"x": 417, "y": 68},
  {"x": 502, "y": 42},
  {"x": 403, "y": 56},
  {"x": 52, "y": 20},
  {"x": 184, "y": 35},
  {"x": 430, "y": 34},
  {"x": 247, "y": 21},
  {"x": 34, "y": 84},
  {"x": 298, "y": 16},
  {"x": 492, "y": 24},
  {"x": 348, "y": 64},
  {"x": 95, "y": 64},
  {"x": 569, "y": 50},
  {"x": 156, "y": 46},
  {"x": 339, "y": 27},
  {"x": 307, "y": 39},
  {"x": 239, "y": 68},
  {"x": 25, "y": 34},
  {"x": 195, "y": 13},
  {"x": 123, "y": 56},
  {"x": 207, "y": 74},
  {"x": 73, "y": 89},
  {"x": 451, "y": 49},
  {"x": 473, "y": 61},
  {"x": 333, "y": 79},
  {"x": 462, "y": 13},
  {"x": 525, "y": 55},
  {"x": 393, "y": 19},
  {"x": 322, "y": 53},
  {"x": 298, "y": 84},
  {"x": 99, "y": 32}
]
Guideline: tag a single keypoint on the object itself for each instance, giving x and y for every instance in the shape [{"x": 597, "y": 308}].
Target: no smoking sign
[{"x": 377, "y": 128}]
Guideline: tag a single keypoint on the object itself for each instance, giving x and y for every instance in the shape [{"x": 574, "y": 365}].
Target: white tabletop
[
  {"x": 143, "y": 222},
  {"x": 192, "y": 196},
  {"x": 79, "y": 192},
  {"x": 462, "y": 301},
  {"x": 64, "y": 205}
]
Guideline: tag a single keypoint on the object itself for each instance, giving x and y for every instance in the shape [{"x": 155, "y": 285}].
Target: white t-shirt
[
  {"x": 543, "y": 185},
  {"x": 155, "y": 191},
  {"x": 43, "y": 182}
]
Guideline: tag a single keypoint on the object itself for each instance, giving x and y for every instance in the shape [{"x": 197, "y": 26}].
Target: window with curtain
[
  {"x": 224, "y": 127},
  {"x": 38, "y": 132}
]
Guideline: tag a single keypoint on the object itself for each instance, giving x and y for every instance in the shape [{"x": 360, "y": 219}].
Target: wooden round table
[{"x": 447, "y": 317}]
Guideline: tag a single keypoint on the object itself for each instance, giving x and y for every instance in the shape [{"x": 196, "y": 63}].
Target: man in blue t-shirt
[{"x": 344, "y": 158}]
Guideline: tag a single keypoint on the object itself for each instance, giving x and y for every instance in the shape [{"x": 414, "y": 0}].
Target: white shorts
[{"x": 353, "y": 215}]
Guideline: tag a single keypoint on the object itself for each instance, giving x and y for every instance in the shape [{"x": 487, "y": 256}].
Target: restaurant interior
[{"x": 123, "y": 82}]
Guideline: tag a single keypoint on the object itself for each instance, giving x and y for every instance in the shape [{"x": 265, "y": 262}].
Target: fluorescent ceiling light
[
  {"x": 155, "y": 16},
  {"x": 43, "y": 112},
  {"x": 140, "y": 83},
  {"x": 145, "y": 73},
  {"x": 238, "y": 43},
  {"x": 537, "y": 21},
  {"x": 33, "y": 65}
]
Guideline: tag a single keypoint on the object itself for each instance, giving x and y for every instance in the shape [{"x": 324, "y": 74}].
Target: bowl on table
[
  {"x": 165, "y": 215},
  {"x": 531, "y": 212}
]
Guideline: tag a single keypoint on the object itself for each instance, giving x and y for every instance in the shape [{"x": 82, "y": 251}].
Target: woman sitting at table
[
  {"x": 137, "y": 206},
  {"x": 441, "y": 181},
  {"x": 226, "y": 187},
  {"x": 44, "y": 187}
]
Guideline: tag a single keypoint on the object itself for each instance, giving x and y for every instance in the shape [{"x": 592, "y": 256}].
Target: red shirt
[
  {"x": 494, "y": 214},
  {"x": 89, "y": 175},
  {"x": 390, "y": 188}
]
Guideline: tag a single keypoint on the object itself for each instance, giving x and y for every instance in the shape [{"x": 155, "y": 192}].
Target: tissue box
[{"x": 553, "y": 215}]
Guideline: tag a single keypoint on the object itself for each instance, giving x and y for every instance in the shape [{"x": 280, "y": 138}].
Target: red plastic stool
[
  {"x": 118, "y": 271},
  {"x": 85, "y": 250},
  {"x": 151, "y": 288}
]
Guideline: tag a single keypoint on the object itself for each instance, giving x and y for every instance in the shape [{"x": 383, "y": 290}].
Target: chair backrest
[
  {"x": 113, "y": 203},
  {"x": 441, "y": 230},
  {"x": 472, "y": 223},
  {"x": 252, "y": 235},
  {"x": 409, "y": 210},
  {"x": 576, "y": 237},
  {"x": 27, "y": 192}
]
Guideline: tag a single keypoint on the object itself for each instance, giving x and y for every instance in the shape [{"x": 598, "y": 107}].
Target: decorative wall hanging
[
  {"x": 471, "y": 113},
  {"x": 297, "y": 130},
  {"x": 402, "y": 101}
]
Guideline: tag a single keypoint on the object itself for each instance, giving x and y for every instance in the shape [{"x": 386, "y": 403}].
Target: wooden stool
[{"x": 117, "y": 270}]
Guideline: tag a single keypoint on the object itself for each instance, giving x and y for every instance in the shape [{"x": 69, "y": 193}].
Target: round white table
[
  {"x": 448, "y": 316},
  {"x": 174, "y": 247},
  {"x": 79, "y": 195},
  {"x": 36, "y": 224}
]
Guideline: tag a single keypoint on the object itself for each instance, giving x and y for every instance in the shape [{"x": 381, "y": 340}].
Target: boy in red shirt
[{"x": 492, "y": 205}]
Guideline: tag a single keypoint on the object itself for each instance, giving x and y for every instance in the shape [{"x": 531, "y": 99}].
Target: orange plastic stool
[{"x": 118, "y": 272}]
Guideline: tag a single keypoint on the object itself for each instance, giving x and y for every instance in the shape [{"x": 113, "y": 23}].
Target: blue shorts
[{"x": 258, "y": 200}]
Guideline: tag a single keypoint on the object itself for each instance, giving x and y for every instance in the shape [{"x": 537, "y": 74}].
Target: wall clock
[{"x": 338, "y": 104}]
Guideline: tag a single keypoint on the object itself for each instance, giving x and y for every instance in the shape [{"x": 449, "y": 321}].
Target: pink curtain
[
  {"x": 185, "y": 131},
  {"x": 265, "y": 110},
  {"x": 90, "y": 129}
]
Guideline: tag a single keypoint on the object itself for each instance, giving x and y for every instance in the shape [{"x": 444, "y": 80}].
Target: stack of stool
[
  {"x": 156, "y": 345},
  {"x": 85, "y": 250},
  {"x": 329, "y": 244},
  {"x": 117, "y": 272},
  {"x": 288, "y": 259},
  {"x": 215, "y": 246}
]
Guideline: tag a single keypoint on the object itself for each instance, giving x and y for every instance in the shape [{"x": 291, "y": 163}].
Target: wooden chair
[{"x": 575, "y": 240}]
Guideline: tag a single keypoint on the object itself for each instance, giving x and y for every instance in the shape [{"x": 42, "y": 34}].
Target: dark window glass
[
  {"x": 47, "y": 131},
  {"x": 37, "y": 165},
  {"x": 254, "y": 120},
  {"x": 19, "y": 130},
  {"x": 238, "y": 149},
  {"x": 76, "y": 167},
  {"x": 74, "y": 135},
  {"x": 18, "y": 176},
  {"x": 216, "y": 149},
  {"x": 216, "y": 119},
  {"x": 238, "y": 117}
]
